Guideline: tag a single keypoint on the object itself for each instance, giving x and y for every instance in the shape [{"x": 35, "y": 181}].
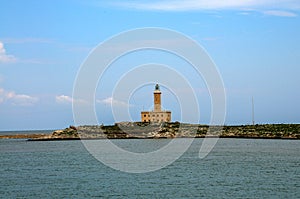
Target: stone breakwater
[{"x": 139, "y": 130}]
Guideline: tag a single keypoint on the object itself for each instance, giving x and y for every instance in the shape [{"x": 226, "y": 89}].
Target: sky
[{"x": 255, "y": 45}]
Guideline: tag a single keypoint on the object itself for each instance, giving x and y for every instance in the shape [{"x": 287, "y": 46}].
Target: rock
[
  {"x": 73, "y": 127},
  {"x": 171, "y": 130}
]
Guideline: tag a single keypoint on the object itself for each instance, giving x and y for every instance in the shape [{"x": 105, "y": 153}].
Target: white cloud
[
  {"x": 190, "y": 5},
  {"x": 113, "y": 102},
  {"x": 5, "y": 58},
  {"x": 64, "y": 99},
  {"x": 16, "y": 99},
  {"x": 26, "y": 40},
  {"x": 279, "y": 13}
]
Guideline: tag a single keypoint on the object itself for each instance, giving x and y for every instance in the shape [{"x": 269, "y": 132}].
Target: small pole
[{"x": 253, "y": 111}]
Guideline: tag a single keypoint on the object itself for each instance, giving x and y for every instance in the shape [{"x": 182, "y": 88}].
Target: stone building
[{"x": 157, "y": 115}]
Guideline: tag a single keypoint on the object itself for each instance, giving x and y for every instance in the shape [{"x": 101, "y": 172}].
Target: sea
[{"x": 235, "y": 168}]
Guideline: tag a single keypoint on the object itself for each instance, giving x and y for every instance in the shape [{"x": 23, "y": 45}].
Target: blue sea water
[{"x": 236, "y": 168}]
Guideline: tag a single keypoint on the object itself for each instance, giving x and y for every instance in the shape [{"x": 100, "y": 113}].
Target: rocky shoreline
[
  {"x": 22, "y": 136},
  {"x": 139, "y": 130}
]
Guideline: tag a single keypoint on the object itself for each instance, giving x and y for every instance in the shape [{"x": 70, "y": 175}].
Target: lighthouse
[
  {"x": 157, "y": 99},
  {"x": 157, "y": 115}
]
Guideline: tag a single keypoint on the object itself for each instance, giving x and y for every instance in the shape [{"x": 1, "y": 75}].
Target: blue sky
[{"x": 255, "y": 45}]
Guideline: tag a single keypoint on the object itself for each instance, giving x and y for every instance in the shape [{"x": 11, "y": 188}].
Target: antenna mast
[{"x": 253, "y": 111}]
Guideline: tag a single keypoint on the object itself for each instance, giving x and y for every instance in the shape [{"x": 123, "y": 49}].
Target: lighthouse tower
[
  {"x": 157, "y": 115},
  {"x": 157, "y": 99}
]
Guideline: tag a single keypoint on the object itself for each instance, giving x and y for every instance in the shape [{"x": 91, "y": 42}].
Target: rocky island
[
  {"x": 156, "y": 124},
  {"x": 147, "y": 130}
]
